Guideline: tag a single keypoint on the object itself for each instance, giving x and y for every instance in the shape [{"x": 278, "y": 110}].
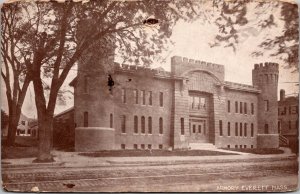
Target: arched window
[
  {"x": 135, "y": 124},
  {"x": 149, "y": 125},
  {"x": 160, "y": 125},
  {"x": 143, "y": 124}
]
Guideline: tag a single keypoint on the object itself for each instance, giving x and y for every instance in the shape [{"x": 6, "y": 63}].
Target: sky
[{"x": 192, "y": 40}]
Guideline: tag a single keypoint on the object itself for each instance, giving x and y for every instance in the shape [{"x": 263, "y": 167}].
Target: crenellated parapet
[
  {"x": 265, "y": 74},
  {"x": 181, "y": 65},
  {"x": 267, "y": 66},
  {"x": 141, "y": 70}
]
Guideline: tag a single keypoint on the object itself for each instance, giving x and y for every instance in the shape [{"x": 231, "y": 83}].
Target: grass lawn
[
  {"x": 143, "y": 153},
  {"x": 18, "y": 152},
  {"x": 25, "y": 147},
  {"x": 261, "y": 151}
]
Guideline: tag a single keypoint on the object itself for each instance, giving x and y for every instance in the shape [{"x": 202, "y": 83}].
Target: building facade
[
  {"x": 288, "y": 120},
  {"x": 156, "y": 109}
]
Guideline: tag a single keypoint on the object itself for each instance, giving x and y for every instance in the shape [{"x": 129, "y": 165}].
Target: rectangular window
[
  {"x": 236, "y": 129},
  {"x": 150, "y": 98},
  {"x": 123, "y": 146},
  {"x": 236, "y": 146},
  {"x": 143, "y": 97},
  {"x": 161, "y": 126},
  {"x": 228, "y": 146},
  {"x": 135, "y": 146},
  {"x": 241, "y": 107},
  {"x": 85, "y": 119},
  {"x": 236, "y": 107},
  {"x": 123, "y": 124},
  {"x": 182, "y": 126},
  {"x": 198, "y": 102},
  {"x": 202, "y": 103},
  {"x": 245, "y": 129},
  {"x": 252, "y": 108},
  {"x": 143, "y": 129},
  {"x": 252, "y": 146},
  {"x": 228, "y": 105},
  {"x": 86, "y": 84},
  {"x": 142, "y": 146},
  {"x": 266, "y": 128},
  {"x": 149, "y": 146},
  {"x": 123, "y": 95},
  {"x": 241, "y": 129},
  {"x": 135, "y": 124},
  {"x": 245, "y": 108},
  {"x": 266, "y": 105},
  {"x": 194, "y": 128},
  {"x": 199, "y": 129},
  {"x": 252, "y": 130},
  {"x": 160, "y": 146},
  {"x": 297, "y": 124},
  {"x": 149, "y": 125},
  {"x": 204, "y": 128},
  {"x": 284, "y": 112},
  {"x": 290, "y": 110},
  {"x": 228, "y": 128},
  {"x": 161, "y": 99},
  {"x": 136, "y": 96},
  {"x": 111, "y": 121},
  {"x": 221, "y": 127},
  {"x": 245, "y": 146}
]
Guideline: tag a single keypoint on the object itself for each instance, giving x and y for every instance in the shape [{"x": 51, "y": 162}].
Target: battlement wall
[
  {"x": 267, "y": 66},
  {"x": 141, "y": 70},
  {"x": 181, "y": 65}
]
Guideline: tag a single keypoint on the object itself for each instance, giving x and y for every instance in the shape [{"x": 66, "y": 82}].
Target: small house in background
[
  {"x": 64, "y": 129},
  {"x": 288, "y": 120},
  {"x": 25, "y": 125}
]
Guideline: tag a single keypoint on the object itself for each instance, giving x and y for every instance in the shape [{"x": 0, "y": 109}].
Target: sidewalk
[{"x": 72, "y": 159}]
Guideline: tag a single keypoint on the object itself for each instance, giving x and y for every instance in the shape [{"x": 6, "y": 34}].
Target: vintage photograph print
[{"x": 149, "y": 96}]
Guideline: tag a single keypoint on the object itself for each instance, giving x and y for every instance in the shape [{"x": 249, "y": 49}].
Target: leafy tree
[
  {"x": 235, "y": 25},
  {"x": 57, "y": 35},
  {"x": 13, "y": 70}
]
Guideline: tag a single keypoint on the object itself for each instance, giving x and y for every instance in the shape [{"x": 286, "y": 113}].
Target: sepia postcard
[{"x": 149, "y": 96}]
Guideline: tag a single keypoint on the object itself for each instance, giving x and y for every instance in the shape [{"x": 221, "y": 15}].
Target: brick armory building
[{"x": 156, "y": 109}]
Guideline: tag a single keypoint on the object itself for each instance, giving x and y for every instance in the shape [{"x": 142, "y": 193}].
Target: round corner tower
[
  {"x": 265, "y": 78},
  {"x": 93, "y": 102}
]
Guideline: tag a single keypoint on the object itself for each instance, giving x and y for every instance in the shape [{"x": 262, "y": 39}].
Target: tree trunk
[
  {"x": 45, "y": 122},
  {"x": 15, "y": 106},
  {"x": 45, "y": 132},
  {"x": 12, "y": 129}
]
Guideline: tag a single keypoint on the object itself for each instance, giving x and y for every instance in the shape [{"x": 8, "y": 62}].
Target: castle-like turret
[{"x": 265, "y": 78}]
